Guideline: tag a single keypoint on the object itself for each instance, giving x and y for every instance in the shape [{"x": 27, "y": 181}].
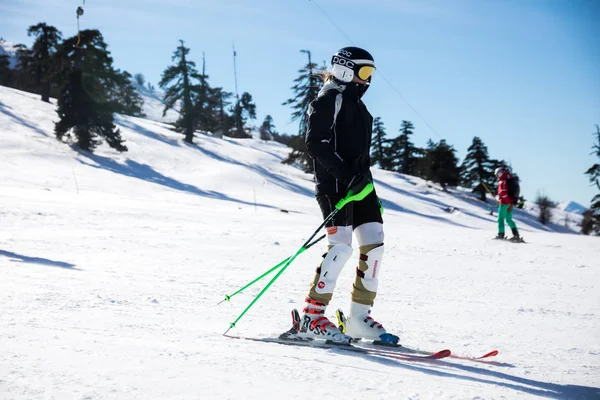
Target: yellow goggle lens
[{"x": 366, "y": 72}]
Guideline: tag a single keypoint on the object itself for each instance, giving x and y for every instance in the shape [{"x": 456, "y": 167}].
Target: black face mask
[
  {"x": 362, "y": 89},
  {"x": 355, "y": 90}
]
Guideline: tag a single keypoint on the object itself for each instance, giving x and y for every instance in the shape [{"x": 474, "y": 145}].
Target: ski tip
[
  {"x": 440, "y": 354},
  {"x": 295, "y": 319},
  {"x": 490, "y": 354}
]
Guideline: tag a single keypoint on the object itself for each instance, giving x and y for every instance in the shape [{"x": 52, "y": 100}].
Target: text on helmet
[{"x": 342, "y": 61}]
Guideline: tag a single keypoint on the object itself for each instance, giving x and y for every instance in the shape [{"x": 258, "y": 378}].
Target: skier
[
  {"x": 338, "y": 139},
  {"x": 505, "y": 205}
]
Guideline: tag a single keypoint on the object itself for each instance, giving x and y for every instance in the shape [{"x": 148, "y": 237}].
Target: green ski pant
[{"x": 505, "y": 214}]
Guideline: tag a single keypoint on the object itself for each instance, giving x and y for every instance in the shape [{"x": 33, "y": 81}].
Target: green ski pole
[
  {"x": 351, "y": 196},
  {"x": 229, "y": 296}
]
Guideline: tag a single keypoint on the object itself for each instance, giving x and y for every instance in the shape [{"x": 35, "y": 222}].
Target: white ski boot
[
  {"x": 360, "y": 325},
  {"x": 315, "y": 325}
]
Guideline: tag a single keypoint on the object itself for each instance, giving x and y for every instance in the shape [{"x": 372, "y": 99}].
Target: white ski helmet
[
  {"x": 352, "y": 61},
  {"x": 499, "y": 171}
]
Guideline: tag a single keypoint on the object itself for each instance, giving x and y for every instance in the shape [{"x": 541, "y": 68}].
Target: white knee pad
[
  {"x": 369, "y": 233},
  {"x": 373, "y": 260},
  {"x": 331, "y": 267},
  {"x": 339, "y": 235}
]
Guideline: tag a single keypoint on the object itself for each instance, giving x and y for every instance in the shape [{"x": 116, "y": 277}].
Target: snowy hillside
[
  {"x": 571, "y": 207},
  {"x": 111, "y": 266},
  {"x": 153, "y": 105}
]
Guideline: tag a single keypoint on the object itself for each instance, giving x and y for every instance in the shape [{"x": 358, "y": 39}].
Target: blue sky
[{"x": 524, "y": 75}]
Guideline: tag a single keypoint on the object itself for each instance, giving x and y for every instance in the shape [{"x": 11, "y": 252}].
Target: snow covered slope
[
  {"x": 153, "y": 105},
  {"x": 111, "y": 266},
  {"x": 571, "y": 207}
]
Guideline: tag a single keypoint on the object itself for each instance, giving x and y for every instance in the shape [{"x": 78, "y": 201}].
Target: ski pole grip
[{"x": 351, "y": 196}]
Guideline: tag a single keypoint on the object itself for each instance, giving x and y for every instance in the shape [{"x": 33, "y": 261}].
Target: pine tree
[
  {"x": 282, "y": 138},
  {"x": 424, "y": 165},
  {"x": 403, "y": 151},
  {"x": 477, "y": 169},
  {"x": 545, "y": 208},
  {"x": 588, "y": 222},
  {"x": 124, "y": 96},
  {"x": 39, "y": 61},
  {"x": 223, "y": 120},
  {"x": 243, "y": 110},
  {"x": 380, "y": 147},
  {"x": 204, "y": 102},
  {"x": 594, "y": 176},
  {"x": 306, "y": 89},
  {"x": 6, "y": 73},
  {"x": 84, "y": 106},
  {"x": 267, "y": 129},
  {"x": 440, "y": 164},
  {"x": 139, "y": 80},
  {"x": 182, "y": 73},
  {"x": 22, "y": 77}
]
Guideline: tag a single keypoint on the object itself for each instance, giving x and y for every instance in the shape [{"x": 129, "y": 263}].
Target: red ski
[
  {"x": 404, "y": 350},
  {"x": 348, "y": 348}
]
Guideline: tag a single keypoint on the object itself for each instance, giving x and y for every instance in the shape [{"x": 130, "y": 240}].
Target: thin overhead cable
[{"x": 378, "y": 73}]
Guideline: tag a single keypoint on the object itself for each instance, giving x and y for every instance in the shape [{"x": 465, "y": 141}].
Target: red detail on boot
[
  {"x": 314, "y": 302},
  {"x": 307, "y": 310},
  {"x": 373, "y": 322},
  {"x": 321, "y": 285},
  {"x": 323, "y": 323}
]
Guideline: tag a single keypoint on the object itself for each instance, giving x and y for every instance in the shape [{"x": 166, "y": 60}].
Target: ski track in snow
[{"x": 111, "y": 266}]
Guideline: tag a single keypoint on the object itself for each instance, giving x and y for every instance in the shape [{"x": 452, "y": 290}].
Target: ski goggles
[{"x": 365, "y": 72}]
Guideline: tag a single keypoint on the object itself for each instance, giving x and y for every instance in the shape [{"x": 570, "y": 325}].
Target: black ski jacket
[{"x": 338, "y": 137}]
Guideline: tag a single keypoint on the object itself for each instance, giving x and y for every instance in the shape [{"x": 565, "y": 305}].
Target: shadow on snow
[
  {"x": 37, "y": 260},
  {"x": 389, "y": 205},
  {"x": 147, "y": 173},
  {"x": 129, "y": 124},
  {"x": 529, "y": 386},
  {"x": 262, "y": 171},
  {"x": 6, "y": 110}
]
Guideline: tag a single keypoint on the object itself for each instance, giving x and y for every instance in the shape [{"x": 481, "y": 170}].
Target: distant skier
[
  {"x": 506, "y": 203},
  {"x": 339, "y": 140}
]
